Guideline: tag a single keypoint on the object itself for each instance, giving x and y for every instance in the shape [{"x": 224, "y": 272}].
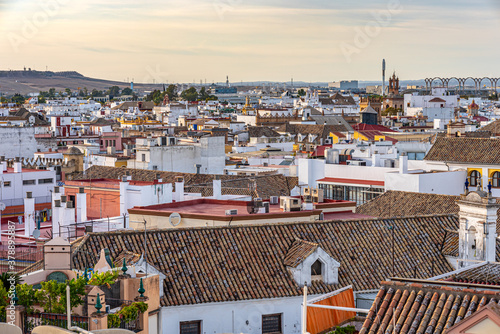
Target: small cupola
[
  {"x": 308, "y": 262},
  {"x": 477, "y": 231}
]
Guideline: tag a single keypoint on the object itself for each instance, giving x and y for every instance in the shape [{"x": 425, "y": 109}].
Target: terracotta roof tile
[
  {"x": 217, "y": 264},
  {"x": 428, "y": 308},
  {"x": 465, "y": 150}
]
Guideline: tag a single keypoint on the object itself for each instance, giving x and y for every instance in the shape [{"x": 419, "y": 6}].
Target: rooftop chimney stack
[
  {"x": 217, "y": 189},
  {"x": 29, "y": 214},
  {"x": 81, "y": 206},
  {"x": 403, "y": 163},
  {"x": 179, "y": 189},
  {"x": 17, "y": 166}
]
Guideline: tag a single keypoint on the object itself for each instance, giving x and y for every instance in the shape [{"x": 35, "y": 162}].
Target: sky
[{"x": 193, "y": 40}]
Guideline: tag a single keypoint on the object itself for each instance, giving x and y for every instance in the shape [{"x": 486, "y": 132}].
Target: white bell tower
[{"x": 477, "y": 232}]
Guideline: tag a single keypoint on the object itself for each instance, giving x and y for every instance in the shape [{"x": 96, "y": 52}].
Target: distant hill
[{"x": 28, "y": 81}]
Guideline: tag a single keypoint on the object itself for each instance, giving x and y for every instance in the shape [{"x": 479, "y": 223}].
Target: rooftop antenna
[{"x": 383, "y": 77}]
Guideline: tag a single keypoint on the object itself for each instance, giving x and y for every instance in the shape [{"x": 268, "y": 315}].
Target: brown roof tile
[
  {"x": 428, "y": 309},
  {"x": 465, "y": 150},
  {"x": 217, "y": 264}
]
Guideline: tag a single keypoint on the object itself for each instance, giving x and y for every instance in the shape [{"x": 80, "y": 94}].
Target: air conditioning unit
[
  {"x": 162, "y": 141},
  {"x": 266, "y": 207},
  {"x": 317, "y": 195},
  {"x": 231, "y": 212},
  {"x": 273, "y": 200},
  {"x": 307, "y": 198},
  {"x": 288, "y": 203}
]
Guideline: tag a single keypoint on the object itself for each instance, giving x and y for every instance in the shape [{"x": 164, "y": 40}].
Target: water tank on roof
[{"x": 332, "y": 156}]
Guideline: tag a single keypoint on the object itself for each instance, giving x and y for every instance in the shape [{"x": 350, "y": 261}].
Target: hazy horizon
[{"x": 193, "y": 40}]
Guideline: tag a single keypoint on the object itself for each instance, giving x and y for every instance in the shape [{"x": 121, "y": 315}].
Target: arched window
[
  {"x": 474, "y": 177},
  {"x": 316, "y": 268},
  {"x": 495, "y": 180}
]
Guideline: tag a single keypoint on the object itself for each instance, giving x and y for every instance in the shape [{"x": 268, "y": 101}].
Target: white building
[
  {"x": 438, "y": 105},
  {"x": 16, "y": 181},
  {"x": 164, "y": 153}
]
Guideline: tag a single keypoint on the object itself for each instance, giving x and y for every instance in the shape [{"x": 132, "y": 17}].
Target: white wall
[
  {"x": 443, "y": 183},
  {"x": 14, "y": 194},
  {"x": 231, "y": 317},
  {"x": 210, "y": 153},
  {"x": 17, "y": 142}
]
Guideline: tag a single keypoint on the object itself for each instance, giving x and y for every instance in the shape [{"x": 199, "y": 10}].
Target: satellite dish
[
  {"x": 175, "y": 219},
  {"x": 2, "y": 206},
  {"x": 36, "y": 234}
]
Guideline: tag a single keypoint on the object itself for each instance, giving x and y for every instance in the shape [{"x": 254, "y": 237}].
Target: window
[
  {"x": 474, "y": 178},
  {"x": 29, "y": 182},
  {"x": 190, "y": 327},
  {"x": 495, "y": 180},
  {"x": 44, "y": 181},
  {"x": 316, "y": 268},
  {"x": 6, "y": 183},
  {"x": 271, "y": 323},
  {"x": 143, "y": 157}
]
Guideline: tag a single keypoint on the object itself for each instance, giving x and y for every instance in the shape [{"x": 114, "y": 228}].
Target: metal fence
[
  {"x": 20, "y": 260},
  {"x": 73, "y": 231},
  {"x": 51, "y": 319}
]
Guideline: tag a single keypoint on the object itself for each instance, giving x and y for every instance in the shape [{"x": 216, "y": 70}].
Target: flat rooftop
[{"x": 205, "y": 208}]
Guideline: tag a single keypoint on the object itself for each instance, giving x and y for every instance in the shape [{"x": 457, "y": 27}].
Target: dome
[
  {"x": 74, "y": 150},
  {"x": 473, "y": 105}
]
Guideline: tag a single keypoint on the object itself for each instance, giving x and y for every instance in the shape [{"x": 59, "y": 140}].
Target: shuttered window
[
  {"x": 190, "y": 327},
  {"x": 271, "y": 323}
]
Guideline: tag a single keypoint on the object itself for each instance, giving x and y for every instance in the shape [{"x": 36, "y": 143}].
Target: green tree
[
  {"x": 113, "y": 91},
  {"x": 52, "y": 93},
  {"x": 26, "y": 296},
  {"x": 203, "y": 95},
  {"x": 18, "y": 99},
  {"x": 41, "y": 99},
  {"x": 4, "y": 301},
  {"x": 127, "y": 91},
  {"x": 156, "y": 96},
  {"x": 3, "y": 99},
  {"x": 190, "y": 94},
  {"x": 68, "y": 91},
  {"x": 49, "y": 296},
  {"x": 301, "y": 92},
  {"x": 172, "y": 92},
  {"x": 81, "y": 93}
]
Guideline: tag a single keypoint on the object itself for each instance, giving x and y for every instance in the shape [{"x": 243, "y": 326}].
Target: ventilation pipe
[{"x": 29, "y": 214}]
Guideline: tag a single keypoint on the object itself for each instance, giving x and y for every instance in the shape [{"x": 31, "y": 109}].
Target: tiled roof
[
  {"x": 262, "y": 131},
  {"x": 493, "y": 127},
  {"x": 486, "y": 273},
  {"x": 404, "y": 203},
  {"x": 465, "y": 150},
  {"x": 299, "y": 251},
  {"x": 230, "y": 263},
  {"x": 265, "y": 185},
  {"x": 320, "y": 131},
  {"x": 423, "y": 308}
]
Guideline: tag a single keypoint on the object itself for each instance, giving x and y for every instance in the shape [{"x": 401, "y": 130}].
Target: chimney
[
  {"x": 197, "y": 166},
  {"x": 81, "y": 205},
  {"x": 403, "y": 163},
  {"x": 167, "y": 191},
  {"x": 29, "y": 214},
  {"x": 217, "y": 189},
  {"x": 17, "y": 166},
  {"x": 123, "y": 195},
  {"x": 179, "y": 189}
]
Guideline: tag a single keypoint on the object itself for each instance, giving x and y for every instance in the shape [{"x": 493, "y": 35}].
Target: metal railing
[{"x": 52, "y": 319}]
